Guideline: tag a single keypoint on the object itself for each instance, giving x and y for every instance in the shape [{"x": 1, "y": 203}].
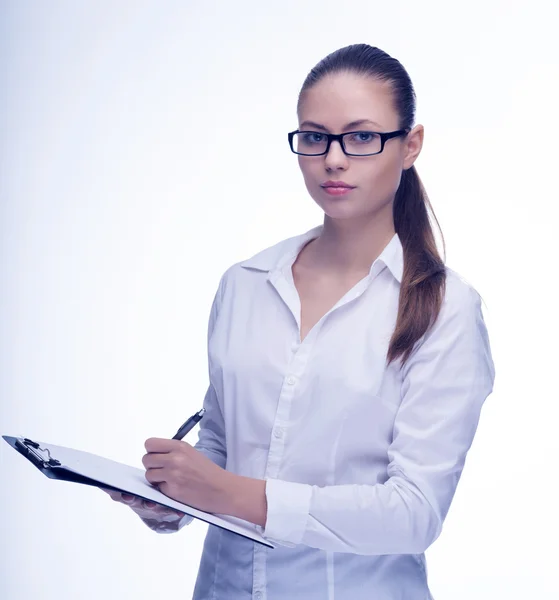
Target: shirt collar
[{"x": 283, "y": 253}]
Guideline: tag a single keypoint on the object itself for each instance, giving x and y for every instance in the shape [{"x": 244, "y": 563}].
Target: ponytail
[{"x": 424, "y": 278}]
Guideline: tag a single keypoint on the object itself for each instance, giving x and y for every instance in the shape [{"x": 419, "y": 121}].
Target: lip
[
  {"x": 337, "y": 191},
  {"x": 336, "y": 184}
]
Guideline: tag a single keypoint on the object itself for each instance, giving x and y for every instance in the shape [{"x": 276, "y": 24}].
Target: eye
[
  {"x": 363, "y": 137},
  {"x": 313, "y": 137}
]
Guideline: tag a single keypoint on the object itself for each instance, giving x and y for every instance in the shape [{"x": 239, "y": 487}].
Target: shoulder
[
  {"x": 460, "y": 310},
  {"x": 459, "y": 326},
  {"x": 460, "y": 294}
]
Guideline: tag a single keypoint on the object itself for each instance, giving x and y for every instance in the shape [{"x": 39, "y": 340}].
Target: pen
[{"x": 189, "y": 424}]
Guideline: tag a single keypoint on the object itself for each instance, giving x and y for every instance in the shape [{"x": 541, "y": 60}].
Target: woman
[{"x": 348, "y": 368}]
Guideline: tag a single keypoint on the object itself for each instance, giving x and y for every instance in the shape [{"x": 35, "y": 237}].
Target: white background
[{"x": 129, "y": 184}]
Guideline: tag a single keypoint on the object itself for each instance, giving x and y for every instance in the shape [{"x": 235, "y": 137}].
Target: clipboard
[{"x": 76, "y": 466}]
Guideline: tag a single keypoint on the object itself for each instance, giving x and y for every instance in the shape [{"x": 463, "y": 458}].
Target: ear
[{"x": 412, "y": 146}]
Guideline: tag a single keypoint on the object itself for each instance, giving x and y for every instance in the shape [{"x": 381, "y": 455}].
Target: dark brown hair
[{"x": 423, "y": 282}]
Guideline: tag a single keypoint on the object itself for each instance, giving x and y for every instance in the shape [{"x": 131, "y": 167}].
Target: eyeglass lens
[{"x": 313, "y": 142}]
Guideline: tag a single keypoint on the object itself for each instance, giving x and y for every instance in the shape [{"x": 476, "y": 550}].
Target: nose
[{"x": 335, "y": 159}]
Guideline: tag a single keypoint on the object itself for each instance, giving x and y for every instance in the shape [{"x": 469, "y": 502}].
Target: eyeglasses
[{"x": 353, "y": 143}]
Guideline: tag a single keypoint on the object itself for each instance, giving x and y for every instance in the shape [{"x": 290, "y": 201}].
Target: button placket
[
  {"x": 259, "y": 572},
  {"x": 277, "y": 441},
  {"x": 299, "y": 358}
]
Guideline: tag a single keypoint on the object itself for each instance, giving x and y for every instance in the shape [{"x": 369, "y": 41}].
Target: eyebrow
[{"x": 351, "y": 125}]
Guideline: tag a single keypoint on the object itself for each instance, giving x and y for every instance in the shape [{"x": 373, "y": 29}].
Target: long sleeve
[
  {"x": 445, "y": 383},
  {"x": 211, "y": 433}
]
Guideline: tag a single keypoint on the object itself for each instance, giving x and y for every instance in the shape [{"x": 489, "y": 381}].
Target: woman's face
[{"x": 336, "y": 103}]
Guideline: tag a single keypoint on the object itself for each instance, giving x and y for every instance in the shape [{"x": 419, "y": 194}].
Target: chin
[
  {"x": 351, "y": 211},
  {"x": 344, "y": 213},
  {"x": 339, "y": 207}
]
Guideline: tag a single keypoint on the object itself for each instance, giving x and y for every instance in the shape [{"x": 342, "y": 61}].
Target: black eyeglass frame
[{"x": 338, "y": 137}]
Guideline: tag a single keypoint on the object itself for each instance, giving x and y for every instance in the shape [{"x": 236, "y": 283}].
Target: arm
[
  {"x": 211, "y": 443},
  {"x": 445, "y": 384},
  {"x": 211, "y": 434},
  {"x": 211, "y": 438}
]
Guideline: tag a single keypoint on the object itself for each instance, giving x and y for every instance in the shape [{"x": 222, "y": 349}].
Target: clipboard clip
[{"x": 39, "y": 456}]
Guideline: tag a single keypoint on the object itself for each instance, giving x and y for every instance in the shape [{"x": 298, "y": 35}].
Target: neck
[{"x": 348, "y": 247}]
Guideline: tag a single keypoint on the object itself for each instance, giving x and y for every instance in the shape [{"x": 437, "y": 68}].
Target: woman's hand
[
  {"x": 184, "y": 474},
  {"x": 157, "y": 517},
  {"x": 188, "y": 476}
]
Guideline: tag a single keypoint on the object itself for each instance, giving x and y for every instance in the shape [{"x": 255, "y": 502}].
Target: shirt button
[
  {"x": 278, "y": 432},
  {"x": 258, "y": 595},
  {"x": 291, "y": 380}
]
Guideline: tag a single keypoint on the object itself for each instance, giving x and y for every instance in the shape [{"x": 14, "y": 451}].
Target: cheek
[
  {"x": 385, "y": 180},
  {"x": 311, "y": 169},
  {"x": 304, "y": 166}
]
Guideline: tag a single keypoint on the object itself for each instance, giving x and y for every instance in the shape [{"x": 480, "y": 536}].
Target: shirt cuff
[{"x": 288, "y": 510}]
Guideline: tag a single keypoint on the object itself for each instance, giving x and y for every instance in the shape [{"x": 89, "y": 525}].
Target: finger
[
  {"x": 155, "y": 507},
  {"x": 159, "y": 508},
  {"x": 174, "y": 513},
  {"x": 155, "y": 460},
  {"x": 116, "y": 496},
  {"x": 155, "y": 476},
  {"x": 128, "y": 499},
  {"x": 160, "y": 445},
  {"x": 167, "y": 511}
]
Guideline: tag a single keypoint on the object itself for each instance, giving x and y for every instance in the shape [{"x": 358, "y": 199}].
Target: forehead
[{"x": 345, "y": 97}]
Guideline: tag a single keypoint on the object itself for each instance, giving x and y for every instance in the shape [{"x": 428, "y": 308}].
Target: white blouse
[{"x": 361, "y": 461}]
